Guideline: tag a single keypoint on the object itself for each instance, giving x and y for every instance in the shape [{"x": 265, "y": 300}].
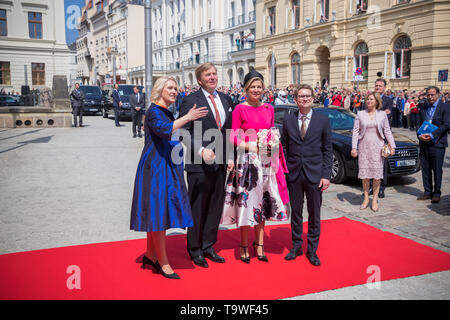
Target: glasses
[
  {"x": 431, "y": 94},
  {"x": 303, "y": 97}
]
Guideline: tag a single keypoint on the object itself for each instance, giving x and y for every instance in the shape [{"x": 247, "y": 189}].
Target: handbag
[{"x": 386, "y": 150}]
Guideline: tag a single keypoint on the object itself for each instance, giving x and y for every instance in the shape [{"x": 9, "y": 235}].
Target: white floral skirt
[{"x": 252, "y": 195}]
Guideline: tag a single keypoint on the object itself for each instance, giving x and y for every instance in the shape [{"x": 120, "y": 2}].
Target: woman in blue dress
[{"x": 160, "y": 199}]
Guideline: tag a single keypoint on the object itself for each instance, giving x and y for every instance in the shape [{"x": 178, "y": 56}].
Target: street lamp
[{"x": 148, "y": 51}]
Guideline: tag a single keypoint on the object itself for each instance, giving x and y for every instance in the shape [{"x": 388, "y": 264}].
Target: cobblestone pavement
[{"x": 71, "y": 186}]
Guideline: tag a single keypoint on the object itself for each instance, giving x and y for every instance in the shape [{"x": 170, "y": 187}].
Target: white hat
[{"x": 282, "y": 93}]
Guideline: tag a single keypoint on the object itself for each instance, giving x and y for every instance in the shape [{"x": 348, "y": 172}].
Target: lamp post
[{"x": 148, "y": 51}]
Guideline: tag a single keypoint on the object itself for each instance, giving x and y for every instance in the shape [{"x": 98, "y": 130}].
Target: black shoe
[
  {"x": 294, "y": 253},
  {"x": 200, "y": 261},
  {"x": 381, "y": 194},
  {"x": 213, "y": 256},
  {"x": 134, "y": 135},
  {"x": 435, "y": 199},
  {"x": 313, "y": 259},
  {"x": 169, "y": 276},
  {"x": 260, "y": 258},
  {"x": 146, "y": 261},
  {"x": 424, "y": 197},
  {"x": 245, "y": 259},
  {"x": 81, "y": 126},
  {"x": 140, "y": 135}
]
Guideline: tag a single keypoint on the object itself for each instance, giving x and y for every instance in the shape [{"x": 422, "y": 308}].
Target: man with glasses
[
  {"x": 306, "y": 140},
  {"x": 433, "y": 145}
]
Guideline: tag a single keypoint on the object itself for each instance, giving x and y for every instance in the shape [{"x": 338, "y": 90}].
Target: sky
[{"x": 72, "y": 12}]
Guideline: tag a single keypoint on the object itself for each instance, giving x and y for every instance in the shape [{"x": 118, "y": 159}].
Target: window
[
  {"x": 324, "y": 10},
  {"x": 272, "y": 20},
  {"x": 361, "y": 6},
  {"x": 35, "y": 25},
  {"x": 101, "y": 4},
  {"x": 402, "y": 1},
  {"x": 402, "y": 57},
  {"x": 295, "y": 63},
  {"x": 296, "y": 13},
  {"x": 38, "y": 74},
  {"x": 3, "y": 23},
  {"x": 361, "y": 59},
  {"x": 5, "y": 73}
]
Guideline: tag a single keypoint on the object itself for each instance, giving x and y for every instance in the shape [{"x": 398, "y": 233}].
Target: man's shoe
[
  {"x": 200, "y": 261},
  {"x": 134, "y": 135},
  {"x": 213, "y": 256},
  {"x": 140, "y": 135},
  {"x": 381, "y": 194},
  {"x": 313, "y": 259},
  {"x": 435, "y": 199},
  {"x": 424, "y": 197},
  {"x": 294, "y": 253}
]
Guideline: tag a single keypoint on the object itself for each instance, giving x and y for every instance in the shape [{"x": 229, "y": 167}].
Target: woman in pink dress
[
  {"x": 370, "y": 130},
  {"x": 256, "y": 189}
]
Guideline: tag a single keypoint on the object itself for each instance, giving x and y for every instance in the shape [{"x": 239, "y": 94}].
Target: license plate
[
  {"x": 405, "y": 163},
  {"x": 93, "y": 110}
]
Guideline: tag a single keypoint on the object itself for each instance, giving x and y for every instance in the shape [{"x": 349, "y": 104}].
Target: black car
[
  {"x": 404, "y": 162},
  {"x": 93, "y": 100},
  {"x": 7, "y": 100},
  {"x": 125, "y": 90}
]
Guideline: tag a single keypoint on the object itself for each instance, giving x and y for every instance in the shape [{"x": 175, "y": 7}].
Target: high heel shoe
[
  {"x": 245, "y": 259},
  {"x": 146, "y": 261},
  {"x": 169, "y": 276},
  {"x": 260, "y": 258},
  {"x": 362, "y": 207}
]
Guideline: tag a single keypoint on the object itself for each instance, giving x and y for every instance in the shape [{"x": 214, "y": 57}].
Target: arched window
[
  {"x": 361, "y": 59},
  {"x": 295, "y": 64},
  {"x": 402, "y": 57}
]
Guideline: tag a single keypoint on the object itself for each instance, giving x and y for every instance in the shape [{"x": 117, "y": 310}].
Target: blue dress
[{"x": 160, "y": 198}]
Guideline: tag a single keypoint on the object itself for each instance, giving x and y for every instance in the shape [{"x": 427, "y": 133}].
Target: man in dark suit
[
  {"x": 117, "y": 103},
  {"x": 387, "y": 106},
  {"x": 306, "y": 140},
  {"x": 77, "y": 105},
  {"x": 137, "y": 103},
  {"x": 432, "y": 146},
  {"x": 206, "y": 163}
]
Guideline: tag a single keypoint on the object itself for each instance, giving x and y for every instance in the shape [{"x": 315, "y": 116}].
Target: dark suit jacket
[
  {"x": 78, "y": 98},
  {"x": 134, "y": 103},
  {"x": 314, "y": 153},
  {"x": 116, "y": 98},
  {"x": 198, "y": 139},
  {"x": 388, "y": 104},
  {"x": 441, "y": 119}
]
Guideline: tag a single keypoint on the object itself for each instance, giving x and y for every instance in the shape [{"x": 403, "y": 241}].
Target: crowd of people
[{"x": 263, "y": 171}]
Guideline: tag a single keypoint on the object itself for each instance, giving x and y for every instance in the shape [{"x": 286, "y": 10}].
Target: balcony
[
  {"x": 252, "y": 16},
  {"x": 246, "y": 46}
]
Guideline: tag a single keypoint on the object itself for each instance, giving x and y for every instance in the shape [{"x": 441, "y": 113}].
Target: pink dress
[
  {"x": 370, "y": 160},
  {"x": 256, "y": 190}
]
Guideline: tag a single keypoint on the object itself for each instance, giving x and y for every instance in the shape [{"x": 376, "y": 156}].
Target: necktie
[
  {"x": 218, "y": 121},
  {"x": 303, "y": 129}
]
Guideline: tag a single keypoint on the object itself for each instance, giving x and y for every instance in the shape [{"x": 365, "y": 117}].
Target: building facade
[
  {"x": 347, "y": 43},
  {"x": 33, "y": 44}
]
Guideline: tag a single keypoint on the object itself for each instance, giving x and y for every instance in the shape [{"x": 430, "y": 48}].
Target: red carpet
[{"x": 112, "y": 270}]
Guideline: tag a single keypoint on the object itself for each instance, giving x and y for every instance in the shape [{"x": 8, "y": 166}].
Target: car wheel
[{"x": 337, "y": 168}]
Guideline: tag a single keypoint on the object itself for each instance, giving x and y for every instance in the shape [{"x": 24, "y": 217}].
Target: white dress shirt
[
  {"x": 307, "y": 120},
  {"x": 218, "y": 104}
]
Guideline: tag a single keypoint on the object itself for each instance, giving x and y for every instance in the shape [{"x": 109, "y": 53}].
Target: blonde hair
[
  {"x": 159, "y": 86},
  {"x": 377, "y": 97}
]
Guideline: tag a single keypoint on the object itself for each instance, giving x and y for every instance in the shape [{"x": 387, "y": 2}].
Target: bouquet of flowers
[{"x": 268, "y": 141}]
